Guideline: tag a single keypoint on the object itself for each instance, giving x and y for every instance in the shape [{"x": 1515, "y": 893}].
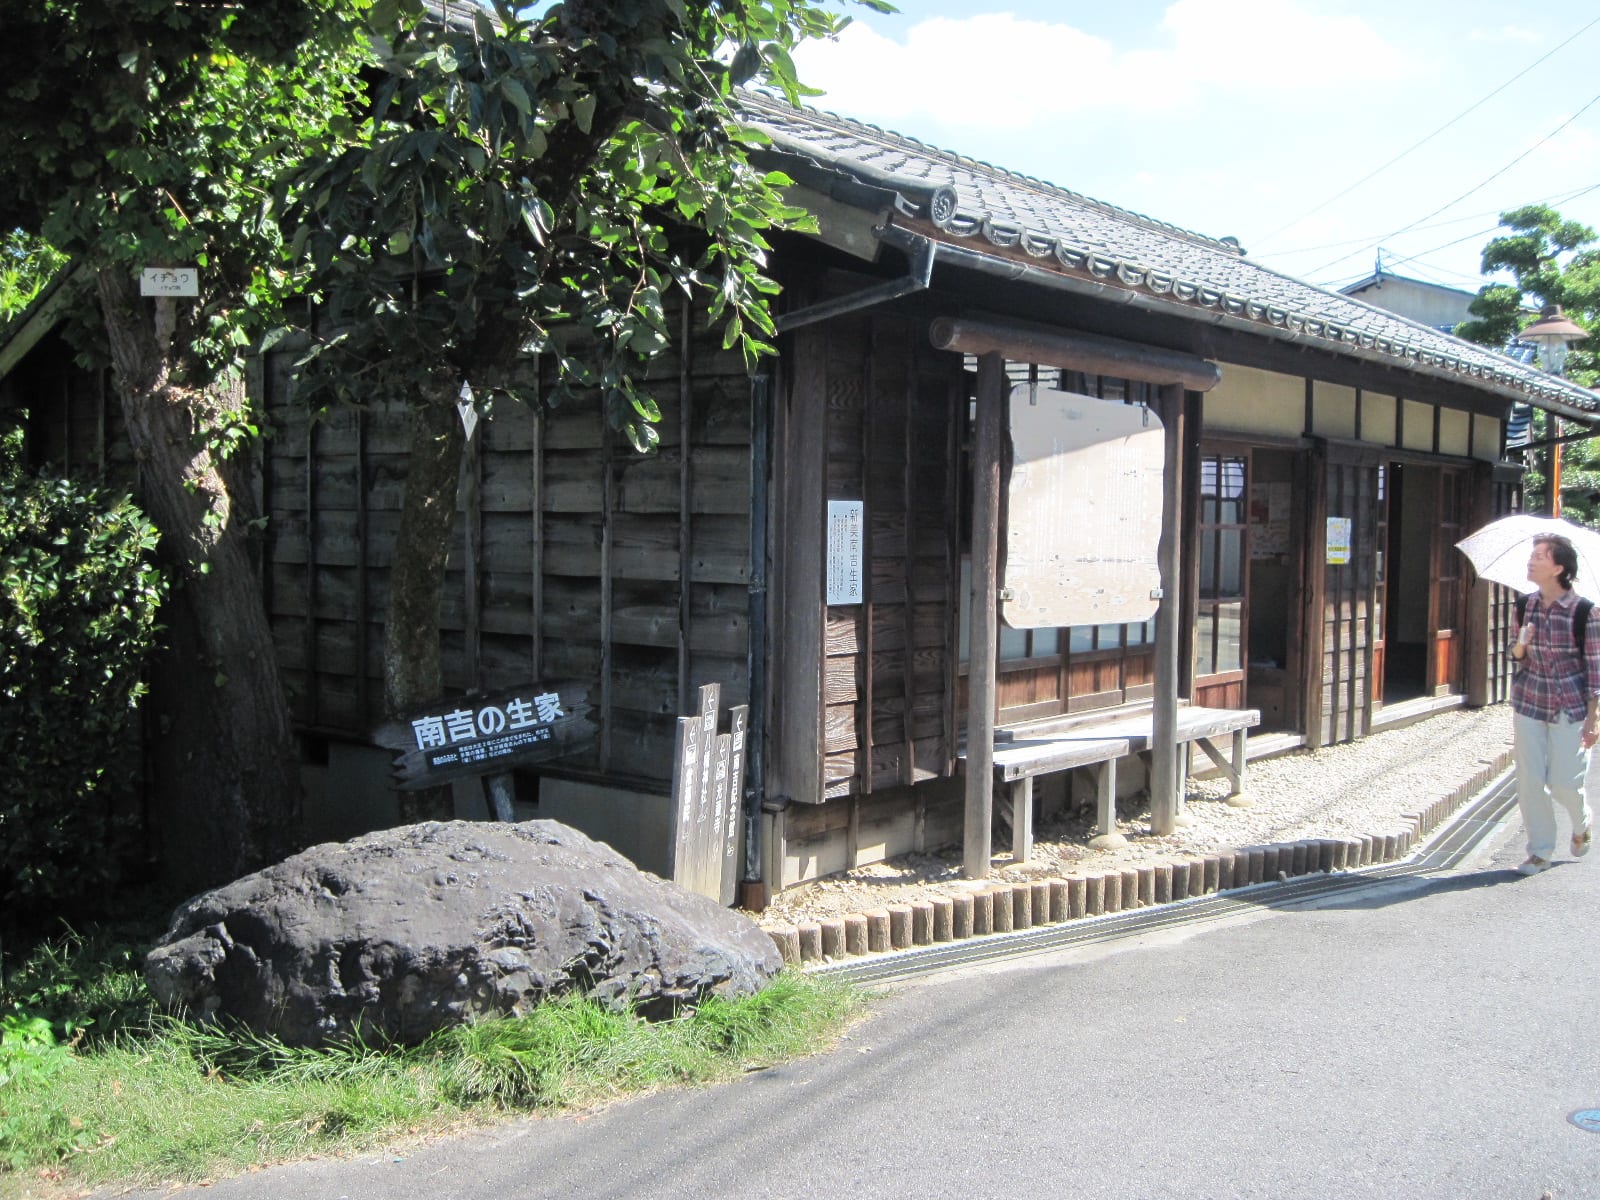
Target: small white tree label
[{"x": 169, "y": 281}]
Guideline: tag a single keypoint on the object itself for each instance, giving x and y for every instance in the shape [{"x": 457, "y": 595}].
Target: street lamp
[{"x": 1553, "y": 333}]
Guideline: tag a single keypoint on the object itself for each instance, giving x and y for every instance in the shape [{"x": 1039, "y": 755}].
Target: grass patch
[{"x": 105, "y": 1090}]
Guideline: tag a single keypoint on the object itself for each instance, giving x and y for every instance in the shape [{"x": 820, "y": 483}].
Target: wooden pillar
[
  {"x": 1164, "y": 781},
  {"x": 1479, "y": 663},
  {"x": 983, "y": 606}
]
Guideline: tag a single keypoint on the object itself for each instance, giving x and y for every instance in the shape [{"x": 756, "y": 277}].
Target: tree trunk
[
  {"x": 412, "y": 674},
  {"x": 226, "y": 778}
]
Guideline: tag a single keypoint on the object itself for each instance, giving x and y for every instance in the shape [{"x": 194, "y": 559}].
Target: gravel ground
[{"x": 1361, "y": 787}]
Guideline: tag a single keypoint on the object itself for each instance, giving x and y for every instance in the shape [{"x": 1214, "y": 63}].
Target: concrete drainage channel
[{"x": 1302, "y": 871}]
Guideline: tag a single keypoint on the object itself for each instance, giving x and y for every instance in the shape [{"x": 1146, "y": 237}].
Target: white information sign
[
  {"x": 846, "y": 551},
  {"x": 1083, "y": 517},
  {"x": 1338, "y": 541},
  {"x": 169, "y": 281}
]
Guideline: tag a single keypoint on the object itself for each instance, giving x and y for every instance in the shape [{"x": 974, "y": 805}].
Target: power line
[
  {"x": 1412, "y": 258},
  {"x": 1476, "y": 187},
  {"x": 1369, "y": 239},
  {"x": 1417, "y": 145}
]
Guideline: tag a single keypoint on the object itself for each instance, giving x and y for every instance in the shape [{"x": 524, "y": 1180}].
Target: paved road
[{"x": 1422, "y": 1038}]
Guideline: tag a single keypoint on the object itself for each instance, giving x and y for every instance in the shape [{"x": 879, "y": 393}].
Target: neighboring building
[
  {"x": 1431, "y": 304},
  {"x": 1323, "y": 457}
]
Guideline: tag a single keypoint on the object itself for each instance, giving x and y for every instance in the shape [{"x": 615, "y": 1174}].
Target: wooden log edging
[{"x": 999, "y": 907}]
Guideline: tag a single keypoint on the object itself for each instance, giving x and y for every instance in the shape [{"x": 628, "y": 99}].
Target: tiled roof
[{"x": 1075, "y": 235}]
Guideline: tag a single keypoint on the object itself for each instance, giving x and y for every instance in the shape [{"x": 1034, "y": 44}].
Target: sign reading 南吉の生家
[{"x": 475, "y": 735}]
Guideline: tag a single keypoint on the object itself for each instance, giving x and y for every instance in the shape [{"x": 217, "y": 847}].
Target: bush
[{"x": 78, "y": 600}]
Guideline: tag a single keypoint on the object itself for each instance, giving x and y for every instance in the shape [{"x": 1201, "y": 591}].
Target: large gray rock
[{"x": 399, "y": 933}]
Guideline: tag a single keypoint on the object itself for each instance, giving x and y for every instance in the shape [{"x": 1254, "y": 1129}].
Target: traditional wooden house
[{"x": 863, "y": 541}]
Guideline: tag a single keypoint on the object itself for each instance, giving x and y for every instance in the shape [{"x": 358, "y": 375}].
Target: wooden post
[
  {"x": 1164, "y": 781},
  {"x": 499, "y": 789},
  {"x": 983, "y": 603}
]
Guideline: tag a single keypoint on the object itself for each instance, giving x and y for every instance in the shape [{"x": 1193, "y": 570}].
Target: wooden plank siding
[
  {"x": 1343, "y": 702},
  {"x": 573, "y": 556},
  {"x": 892, "y": 410}
]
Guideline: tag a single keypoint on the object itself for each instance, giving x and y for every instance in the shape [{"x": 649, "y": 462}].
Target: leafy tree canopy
[
  {"x": 27, "y": 263},
  {"x": 514, "y": 183},
  {"x": 1551, "y": 260},
  {"x": 150, "y": 132}
]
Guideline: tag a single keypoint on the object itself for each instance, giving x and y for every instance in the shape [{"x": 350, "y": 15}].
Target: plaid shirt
[{"x": 1553, "y": 679}]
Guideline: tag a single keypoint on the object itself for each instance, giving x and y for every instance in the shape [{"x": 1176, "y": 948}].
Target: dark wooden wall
[
  {"x": 573, "y": 556},
  {"x": 873, "y": 413}
]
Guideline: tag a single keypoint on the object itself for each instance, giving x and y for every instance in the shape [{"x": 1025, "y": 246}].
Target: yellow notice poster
[{"x": 1338, "y": 541}]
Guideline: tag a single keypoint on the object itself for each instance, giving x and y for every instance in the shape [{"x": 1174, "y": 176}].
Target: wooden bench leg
[
  {"x": 1106, "y": 788},
  {"x": 1238, "y": 799},
  {"x": 1022, "y": 819},
  {"x": 1185, "y": 765}
]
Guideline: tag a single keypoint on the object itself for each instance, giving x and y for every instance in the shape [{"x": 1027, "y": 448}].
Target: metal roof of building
[{"x": 1188, "y": 273}]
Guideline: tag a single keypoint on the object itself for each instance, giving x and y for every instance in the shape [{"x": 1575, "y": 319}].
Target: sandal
[{"x": 1581, "y": 842}]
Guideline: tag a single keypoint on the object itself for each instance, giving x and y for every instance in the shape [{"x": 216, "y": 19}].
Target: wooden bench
[
  {"x": 1022, "y": 752},
  {"x": 1017, "y": 762},
  {"x": 1196, "y": 726}
]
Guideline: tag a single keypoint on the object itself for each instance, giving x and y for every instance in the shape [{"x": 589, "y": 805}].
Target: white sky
[{"x": 1249, "y": 117}]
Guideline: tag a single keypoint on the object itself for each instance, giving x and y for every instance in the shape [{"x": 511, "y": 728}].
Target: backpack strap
[{"x": 1580, "y": 619}]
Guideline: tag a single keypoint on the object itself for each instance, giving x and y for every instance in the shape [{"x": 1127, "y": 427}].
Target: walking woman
[{"x": 1555, "y": 701}]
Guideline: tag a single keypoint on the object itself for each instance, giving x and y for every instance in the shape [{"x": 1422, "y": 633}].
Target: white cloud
[
  {"x": 1506, "y": 33},
  {"x": 999, "y": 71},
  {"x": 992, "y": 69},
  {"x": 1274, "y": 44}
]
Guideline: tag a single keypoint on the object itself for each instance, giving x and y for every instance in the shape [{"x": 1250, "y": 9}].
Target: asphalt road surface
[{"x": 1426, "y": 1037}]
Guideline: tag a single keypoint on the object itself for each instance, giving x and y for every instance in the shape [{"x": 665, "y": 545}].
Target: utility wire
[
  {"x": 1558, "y": 199},
  {"x": 1476, "y": 187},
  {"x": 1417, "y": 145}
]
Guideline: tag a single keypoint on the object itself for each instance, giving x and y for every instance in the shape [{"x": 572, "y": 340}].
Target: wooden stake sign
[
  {"x": 707, "y": 781},
  {"x": 466, "y": 736}
]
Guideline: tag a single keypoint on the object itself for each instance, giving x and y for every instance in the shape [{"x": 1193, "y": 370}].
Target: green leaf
[
  {"x": 583, "y": 112},
  {"x": 518, "y": 95}
]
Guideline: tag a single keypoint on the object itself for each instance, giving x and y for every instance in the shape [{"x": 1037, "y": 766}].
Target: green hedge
[{"x": 79, "y": 593}]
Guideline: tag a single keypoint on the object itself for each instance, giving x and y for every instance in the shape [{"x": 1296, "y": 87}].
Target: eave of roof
[
  {"x": 40, "y": 317},
  {"x": 1184, "y": 273}
]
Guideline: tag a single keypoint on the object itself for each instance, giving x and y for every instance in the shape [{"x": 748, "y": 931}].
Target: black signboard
[{"x": 466, "y": 736}]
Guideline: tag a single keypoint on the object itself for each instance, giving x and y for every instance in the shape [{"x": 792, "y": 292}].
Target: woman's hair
[{"x": 1563, "y": 554}]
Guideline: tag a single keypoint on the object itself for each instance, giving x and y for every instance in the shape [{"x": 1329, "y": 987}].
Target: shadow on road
[{"x": 1406, "y": 889}]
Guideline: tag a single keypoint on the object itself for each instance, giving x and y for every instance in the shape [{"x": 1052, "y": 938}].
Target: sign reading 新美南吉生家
[{"x": 478, "y": 735}]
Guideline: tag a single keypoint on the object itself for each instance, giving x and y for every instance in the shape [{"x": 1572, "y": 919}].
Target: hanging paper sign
[{"x": 1083, "y": 511}]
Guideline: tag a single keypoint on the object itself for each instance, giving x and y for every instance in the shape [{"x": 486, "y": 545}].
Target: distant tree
[
  {"x": 1551, "y": 260},
  {"x": 536, "y": 181}
]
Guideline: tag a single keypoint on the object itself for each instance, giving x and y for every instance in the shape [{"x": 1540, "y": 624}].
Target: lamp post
[{"x": 1553, "y": 333}]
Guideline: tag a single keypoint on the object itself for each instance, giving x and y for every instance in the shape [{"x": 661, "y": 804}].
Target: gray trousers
[{"x": 1551, "y": 763}]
